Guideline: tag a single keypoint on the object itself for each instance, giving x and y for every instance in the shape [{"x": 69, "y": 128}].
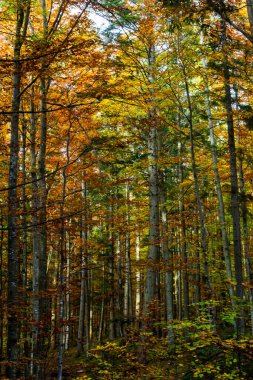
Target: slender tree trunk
[
  {"x": 90, "y": 310},
  {"x": 1, "y": 290},
  {"x": 128, "y": 304},
  {"x": 88, "y": 307},
  {"x": 244, "y": 214},
  {"x": 41, "y": 309},
  {"x": 12, "y": 296},
  {"x": 62, "y": 262},
  {"x": 225, "y": 239},
  {"x": 24, "y": 327},
  {"x": 111, "y": 298},
  {"x": 110, "y": 266},
  {"x": 203, "y": 231},
  {"x": 12, "y": 347},
  {"x": 40, "y": 306},
  {"x": 197, "y": 269},
  {"x": 35, "y": 241},
  {"x": 246, "y": 245},
  {"x": 250, "y": 14},
  {"x": 119, "y": 303},
  {"x": 167, "y": 259},
  {"x": 84, "y": 311},
  {"x": 102, "y": 311},
  {"x": 44, "y": 308},
  {"x": 80, "y": 335},
  {"x": 138, "y": 279},
  {"x": 186, "y": 301},
  {"x": 67, "y": 296},
  {"x": 234, "y": 189},
  {"x": 24, "y": 209},
  {"x": 150, "y": 292}
]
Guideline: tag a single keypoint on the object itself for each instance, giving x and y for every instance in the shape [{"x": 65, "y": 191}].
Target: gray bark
[
  {"x": 84, "y": 310},
  {"x": 102, "y": 311},
  {"x": 40, "y": 303},
  {"x": 183, "y": 238},
  {"x": 35, "y": 241},
  {"x": 62, "y": 263},
  {"x": 234, "y": 189},
  {"x": 128, "y": 303},
  {"x": 111, "y": 263},
  {"x": 167, "y": 259},
  {"x": 150, "y": 292},
  {"x": 138, "y": 279},
  {"x": 24, "y": 324},
  {"x": 2, "y": 330},
  {"x": 250, "y": 14},
  {"x": 12, "y": 268},
  {"x": 120, "y": 292},
  {"x": 244, "y": 214},
  {"x": 203, "y": 230},
  {"x": 225, "y": 239}
]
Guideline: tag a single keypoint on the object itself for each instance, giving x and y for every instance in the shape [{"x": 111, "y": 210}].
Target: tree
[{"x": 22, "y": 11}]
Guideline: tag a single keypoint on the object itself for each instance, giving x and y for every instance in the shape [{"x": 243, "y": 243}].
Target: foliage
[
  {"x": 202, "y": 356},
  {"x": 122, "y": 149}
]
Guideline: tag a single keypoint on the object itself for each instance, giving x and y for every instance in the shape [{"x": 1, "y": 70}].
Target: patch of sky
[{"x": 99, "y": 21}]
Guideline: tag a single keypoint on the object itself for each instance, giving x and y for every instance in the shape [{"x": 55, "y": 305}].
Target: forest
[{"x": 126, "y": 165}]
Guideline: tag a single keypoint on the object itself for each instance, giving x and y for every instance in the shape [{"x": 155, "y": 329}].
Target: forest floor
[{"x": 207, "y": 357}]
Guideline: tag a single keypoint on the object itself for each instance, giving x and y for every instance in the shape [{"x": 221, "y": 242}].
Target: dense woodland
[{"x": 126, "y": 189}]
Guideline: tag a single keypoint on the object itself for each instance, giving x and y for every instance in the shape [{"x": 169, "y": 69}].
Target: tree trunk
[
  {"x": 244, "y": 213},
  {"x": 128, "y": 304},
  {"x": 2, "y": 330},
  {"x": 35, "y": 241},
  {"x": 150, "y": 292},
  {"x": 225, "y": 239},
  {"x": 183, "y": 237},
  {"x": 120, "y": 292},
  {"x": 62, "y": 262},
  {"x": 167, "y": 259},
  {"x": 102, "y": 311},
  {"x": 67, "y": 296},
  {"x": 12, "y": 296},
  {"x": 138, "y": 280},
  {"x": 250, "y": 14},
  {"x": 234, "y": 189},
  {"x": 24, "y": 326},
  {"x": 84, "y": 310},
  {"x": 41, "y": 312},
  {"x": 197, "y": 192},
  {"x": 111, "y": 262}
]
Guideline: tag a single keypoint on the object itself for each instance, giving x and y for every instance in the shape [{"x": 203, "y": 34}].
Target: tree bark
[
  {"x": 138, "y": 280},
  {"x": 167, "y": 259},
  {"x": 62, "y": 262},
  {"x": 250, "y": 14},
  {"x": 128, "y": 304},
  {"x": 197, "y": 191},
  {"x": 225, "y": 239},
  {"x": 84, "y": 310},
  {"x": 186, "y": 301},
  {"x": 244, "y": 214},
  {"x": 150, "y": 292},
  {"x": 234, "y": 188},
  {"x": 22, "y": 16}
]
